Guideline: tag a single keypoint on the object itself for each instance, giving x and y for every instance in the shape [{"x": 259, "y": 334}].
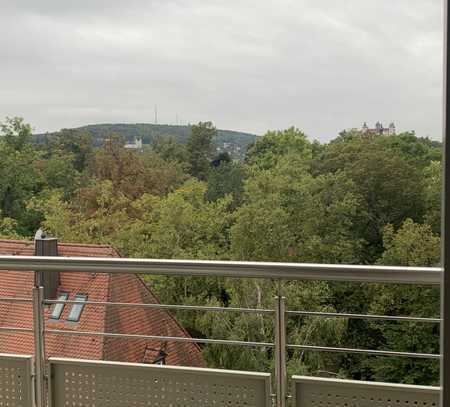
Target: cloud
[{"x": 321, "y": 65}]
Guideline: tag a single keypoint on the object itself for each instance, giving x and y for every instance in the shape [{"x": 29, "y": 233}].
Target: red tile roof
[{"x": 125, "y": 288}]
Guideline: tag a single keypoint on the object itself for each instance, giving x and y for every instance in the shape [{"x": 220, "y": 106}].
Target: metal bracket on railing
[
  {"x": 280, "y": 351},
  {"x": 39, "y": 346},
  {"x": 290, "y": 399},
  {"x": 273, "y": 398}
]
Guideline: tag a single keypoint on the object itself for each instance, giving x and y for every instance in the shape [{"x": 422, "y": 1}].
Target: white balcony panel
[
  {"x": 113, "y": 384},
  {"x": 320, "y": 392},
  {"x": 16, "y": 381}
]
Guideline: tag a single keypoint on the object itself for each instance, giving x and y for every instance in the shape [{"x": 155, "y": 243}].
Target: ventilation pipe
[{"x": 47, "y": 246}]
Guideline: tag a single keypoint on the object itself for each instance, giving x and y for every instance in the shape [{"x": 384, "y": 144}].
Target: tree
[
  {"x": 58, "y": 172},
  {"x": 391, "y": 187},
  {"x": 324, "y": 215},
  {"x": 77, "y": 143},
  {"x": 267, "y": 150},
  {"x": 133, "y": 173},
  {"x": 16, "y": 133},
  {"x": 411, "y": 245},
  {"x": 226, "y": 178},
  {"x": 433, "y": 195},
  {"x": 169, "y": 149},
  {"x": 163, "y": 176},
  {"x": 261, "y": 232},
  {"x": 8, "y": 228},
  {"x": 182, "y": 224},
  {"x": 96, "y": 215},
  {"x": 289, "y": 215},
  {"x": 20, "y": 178},
  {"x": 418, "y": 151},
  {"x": 200, "y": 148}
]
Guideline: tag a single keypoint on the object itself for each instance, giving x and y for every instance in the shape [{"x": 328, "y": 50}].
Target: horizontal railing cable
[
  {"x": 365, "y": 351},
  {"x": 13, "y": 299},
  {"x": 248, "y": 310},
  {"x": 164, "y": 306},
  {"x": 162, "y": 338},
  {"x": 11, "y": 329},
  {"x": 245, "y": 343},
  {"x": 365, "y": 316}
]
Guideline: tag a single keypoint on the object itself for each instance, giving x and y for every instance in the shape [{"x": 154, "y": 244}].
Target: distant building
[
  {"x": 233, "y": 149},
  {"x": 136, "y": 145},
  {"x": 379, "y": 130}
]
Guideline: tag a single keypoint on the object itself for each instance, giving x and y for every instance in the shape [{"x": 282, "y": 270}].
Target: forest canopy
[{"x": 358, "y": 199}]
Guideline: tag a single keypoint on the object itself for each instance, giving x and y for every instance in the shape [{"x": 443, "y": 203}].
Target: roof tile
[{"x": 125, "y": 288}]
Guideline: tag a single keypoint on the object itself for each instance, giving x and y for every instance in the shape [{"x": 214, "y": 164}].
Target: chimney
[{"x": 47, "y": 246}]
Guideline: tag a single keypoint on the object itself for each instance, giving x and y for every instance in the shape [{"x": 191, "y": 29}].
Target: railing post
[
  {"x": 280, "y": 350},
  {"x": 39, "y": 346},
  {"x": 445, "y": 224}
]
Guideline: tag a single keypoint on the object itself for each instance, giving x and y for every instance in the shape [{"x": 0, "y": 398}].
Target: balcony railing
[{"x": 64, "y": 382}]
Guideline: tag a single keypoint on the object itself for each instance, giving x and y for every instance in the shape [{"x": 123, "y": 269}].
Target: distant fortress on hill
[{"x": 379, "y": 130}]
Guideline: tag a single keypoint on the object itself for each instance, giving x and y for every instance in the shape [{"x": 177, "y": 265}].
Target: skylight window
[
  {"x": 77, "y": 309},
  {"x": 58, "y": 308}
]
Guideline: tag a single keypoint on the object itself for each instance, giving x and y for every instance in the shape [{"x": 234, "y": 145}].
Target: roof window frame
[
  {"x": 77, "y": 309},
  {"x": 59, "y": 308}
]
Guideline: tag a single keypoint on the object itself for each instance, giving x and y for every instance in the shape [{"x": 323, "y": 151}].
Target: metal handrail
[{"x": 290, "y": 271}]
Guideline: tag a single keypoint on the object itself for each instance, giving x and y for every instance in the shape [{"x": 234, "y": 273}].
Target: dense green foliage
[
  {"x": 355, "y": 200},
  {"x": 200, "y": 149}
]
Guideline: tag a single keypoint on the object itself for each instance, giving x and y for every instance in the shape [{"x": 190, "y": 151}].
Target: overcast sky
[{"x": 250, "y": 65}]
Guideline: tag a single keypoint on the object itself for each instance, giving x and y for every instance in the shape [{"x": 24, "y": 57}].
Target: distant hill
[{"x": 234, "y": 142}]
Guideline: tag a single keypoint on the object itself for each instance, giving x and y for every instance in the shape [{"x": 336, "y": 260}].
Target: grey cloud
[{"x": 321, "y": 65}]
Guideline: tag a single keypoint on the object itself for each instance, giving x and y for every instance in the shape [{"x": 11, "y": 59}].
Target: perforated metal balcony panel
[
  {"x": 16, "y": 381},
  {"x": 319, "y": 392},
  {"x": 109, "y": 384}
]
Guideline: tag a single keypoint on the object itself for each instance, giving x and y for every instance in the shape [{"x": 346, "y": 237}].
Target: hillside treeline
[
  {"x": 354, "y": 200},
  {"x": 148, "y": 133}
]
